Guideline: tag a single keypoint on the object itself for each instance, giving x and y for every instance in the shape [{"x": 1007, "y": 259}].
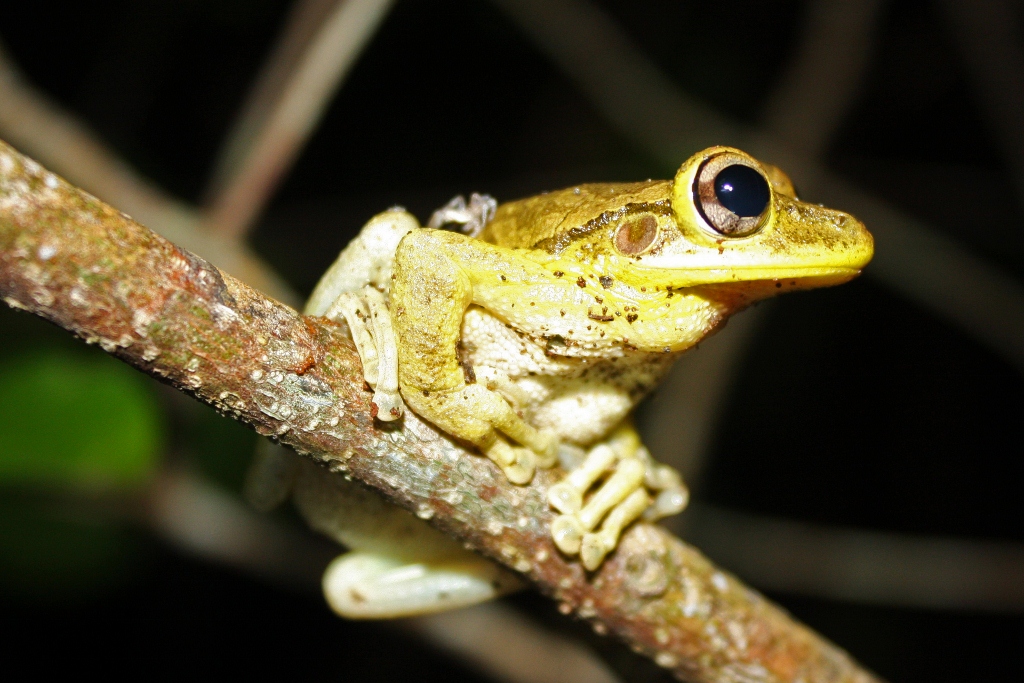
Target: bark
[{"x": 71, "y": 259}]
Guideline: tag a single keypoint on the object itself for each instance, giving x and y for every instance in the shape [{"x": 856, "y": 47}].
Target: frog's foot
[
  {"x": 471, "y": 218},
  {"x": 518, "y": 463},
  {"x": 370, "y": 324},
  {"x": 671, "y": 495},
  {"x": 484, "y": 417},
  {"x": 620, "y": 499},
  {"x": 545, "y": 443},
  {"x": 367, "y": 585}
]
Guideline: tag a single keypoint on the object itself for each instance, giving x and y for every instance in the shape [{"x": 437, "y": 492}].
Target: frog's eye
[
  {"x": 732, "y": 195},
  {"x": 636, "y": 235}
]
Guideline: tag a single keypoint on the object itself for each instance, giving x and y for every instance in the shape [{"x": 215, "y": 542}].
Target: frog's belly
[
  {"x": 580, "y": 399},
  {"x": 577, "y": 412}
]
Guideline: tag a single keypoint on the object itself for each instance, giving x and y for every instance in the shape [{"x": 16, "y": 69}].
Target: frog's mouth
[
  {"x": 755, "y": 288},
  {"x": 789, "y": 277}
]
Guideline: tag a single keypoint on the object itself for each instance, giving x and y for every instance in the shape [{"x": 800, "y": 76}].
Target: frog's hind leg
[
  {"x": 365, "y": 585},
  {"x": 270, "y": 477},
  {"x": 398, "y": 565},
  {"x": 355, "y": 289},
  {"x": 619, "y": 500},
  {"x": 369, "y": 321}
]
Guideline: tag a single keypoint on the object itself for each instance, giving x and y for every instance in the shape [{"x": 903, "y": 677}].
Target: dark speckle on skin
[
  {"x": 606, "y": 281},
  {"x": 580, "y": 282}
]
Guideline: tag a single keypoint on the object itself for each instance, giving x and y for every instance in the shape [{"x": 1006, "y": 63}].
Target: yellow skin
[{"x": 535, "y": 338}]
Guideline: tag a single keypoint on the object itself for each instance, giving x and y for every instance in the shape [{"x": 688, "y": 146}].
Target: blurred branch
[
  {"x": 205, "y": 521},
  {"x": 636, "y": 97},
  {"x": 319, "y": 47},
  {"x": 90, "y": 269},
  {"x": 679, "y": 420},
  {"x": 523, "y": 654},
  {"x": 988, "y": 34},
  {"x": 862, "y": 566},
  {"x": 820, "y": 85},
  {"x": 38, "y": 125}
]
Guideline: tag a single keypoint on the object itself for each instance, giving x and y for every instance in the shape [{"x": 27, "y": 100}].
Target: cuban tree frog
[{"x": 533, "y": 331}]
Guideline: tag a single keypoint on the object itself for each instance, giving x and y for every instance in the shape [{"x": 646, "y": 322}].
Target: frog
[{"x": 529, "y": 331}]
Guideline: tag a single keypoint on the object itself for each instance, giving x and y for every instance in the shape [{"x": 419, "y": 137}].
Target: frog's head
[{"x": 736, "y": 226}]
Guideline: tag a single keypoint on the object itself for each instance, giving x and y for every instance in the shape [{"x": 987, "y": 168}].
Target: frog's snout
[{"x": 858, "y": 246}]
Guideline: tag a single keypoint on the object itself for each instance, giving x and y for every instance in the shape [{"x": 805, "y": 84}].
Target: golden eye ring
[
  {"x": 636, "y": 235},
  {"x": 732, "y": 194}
]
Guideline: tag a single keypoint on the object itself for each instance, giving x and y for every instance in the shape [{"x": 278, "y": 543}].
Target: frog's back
[{"x": 539, "y": 222}]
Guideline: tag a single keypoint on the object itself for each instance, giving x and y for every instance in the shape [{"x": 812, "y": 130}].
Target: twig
[
  {"x": 825, "y": 76},
  {"x": 863, "y": 566},
  {"x": 525, "y": 653},
  {"x": 38, "y": 125},
  {"x": 189, "y": 512},
  {"x": 205, "y": 521},
  {"x": 305, "y": 19},
  {"x": 678, "y": 421},
  {"x": 636, "y": 97},
  {"x": 286, "y": 107},
  {"x": 987, "y": 32},
  {"x": 70, "y": 259}
]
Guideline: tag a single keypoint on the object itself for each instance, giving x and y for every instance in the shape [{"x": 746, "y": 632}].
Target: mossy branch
[{"x": 71, "y": 259}]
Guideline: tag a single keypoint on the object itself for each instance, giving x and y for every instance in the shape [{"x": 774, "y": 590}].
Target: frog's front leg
[
  {"x": 429, "y": 296},
  {"x": 620, "y": 499}
]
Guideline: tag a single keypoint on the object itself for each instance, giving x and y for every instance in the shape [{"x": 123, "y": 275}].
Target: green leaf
[{"x": 69, "y": 421}]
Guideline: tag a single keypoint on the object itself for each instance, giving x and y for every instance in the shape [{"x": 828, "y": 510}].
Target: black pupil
[{"x": 742, "y": 190}]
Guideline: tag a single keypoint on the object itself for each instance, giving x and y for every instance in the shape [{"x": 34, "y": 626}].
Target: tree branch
[{"x": 81, "y": 264}]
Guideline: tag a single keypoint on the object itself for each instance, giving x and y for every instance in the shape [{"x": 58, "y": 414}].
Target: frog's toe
[
  {"x": 567, "y": 495},
  {"x": 388, "y": 405},
  {"x": 596, "y": 546},
  {"x": 668, "y": 502},
  {"x": 547, "y": 451},
  {"x": 567, "y": 532},
  {"x": 516, "y": 462},
  {"x": 521, "y": 471},
  {"x": 471, "y": 218},
  {"x": 565, "y": 498},
  {"x": 670, "y": 493}
]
